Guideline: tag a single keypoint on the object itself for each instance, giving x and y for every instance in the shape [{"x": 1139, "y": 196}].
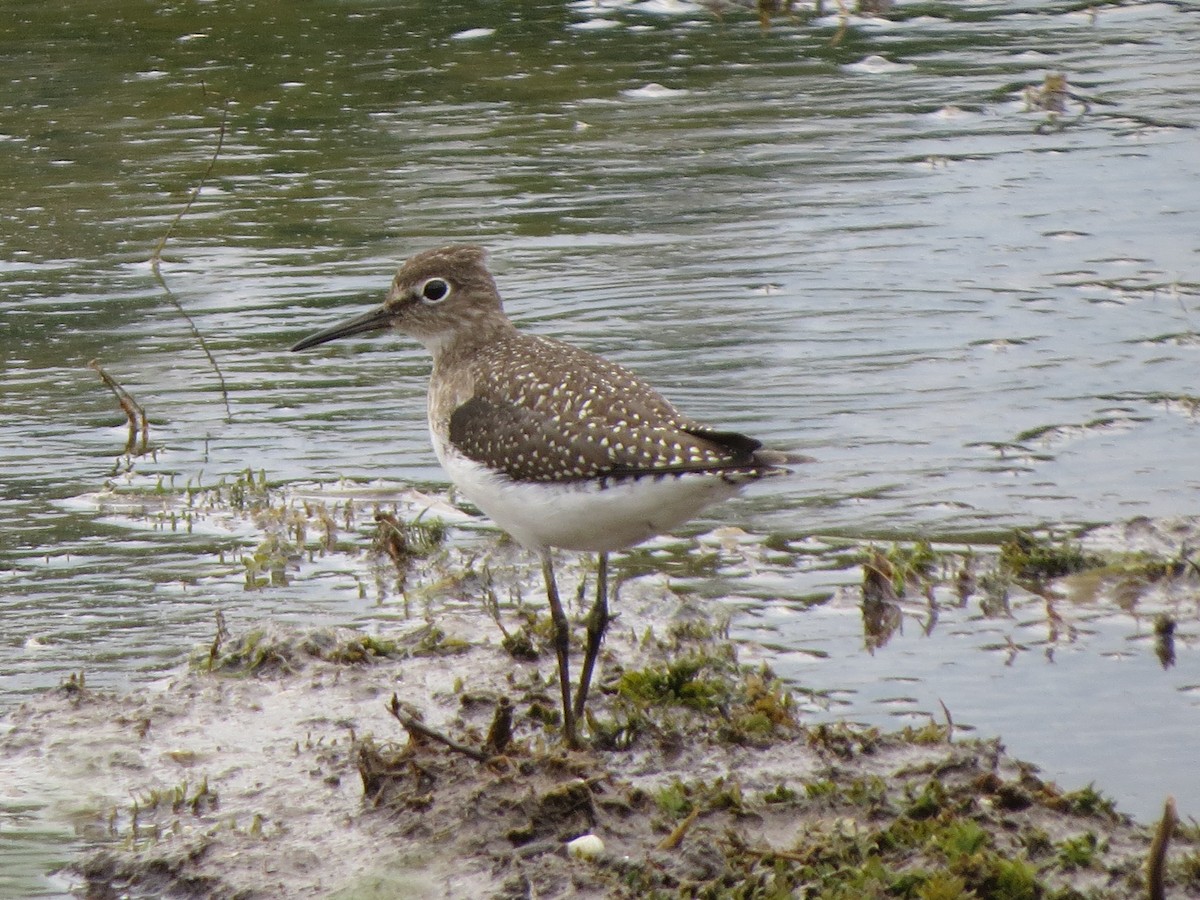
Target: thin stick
[
  {"x": 156, "y": 258},
  {"x": 1156, "y": 864},
  {"x": 132, "y": 409},
  {"x": 949, "y": 722},
  {"x": 412, "y": 725},
  {"x": 789, "y": 855},
  {"x": 675, "y": 838}
]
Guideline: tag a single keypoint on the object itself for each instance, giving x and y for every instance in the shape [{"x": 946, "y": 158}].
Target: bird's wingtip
[{"x": 782, "y": 458}]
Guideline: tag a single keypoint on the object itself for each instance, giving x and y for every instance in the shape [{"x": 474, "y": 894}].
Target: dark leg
[
  {"x": 562, "y": 647},
  {"x": 597, "y": 624}
]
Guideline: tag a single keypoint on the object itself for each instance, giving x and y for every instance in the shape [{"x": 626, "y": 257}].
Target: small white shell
[{"x": 586, "y": 846}]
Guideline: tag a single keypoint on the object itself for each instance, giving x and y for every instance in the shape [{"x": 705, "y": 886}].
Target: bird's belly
[{"x": 585, "y": 515}]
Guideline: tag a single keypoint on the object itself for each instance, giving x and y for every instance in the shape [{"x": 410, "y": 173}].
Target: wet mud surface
[{"x": 277, "y": 766}]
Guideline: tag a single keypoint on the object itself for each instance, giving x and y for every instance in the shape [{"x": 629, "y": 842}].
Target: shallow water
[{"x": 864, "y": 246}]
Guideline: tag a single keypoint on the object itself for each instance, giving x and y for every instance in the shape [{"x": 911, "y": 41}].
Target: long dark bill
[{"x": 375, "y": 320}]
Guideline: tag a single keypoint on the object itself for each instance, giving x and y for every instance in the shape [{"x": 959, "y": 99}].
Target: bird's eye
[{"x": 435, "y": 290}]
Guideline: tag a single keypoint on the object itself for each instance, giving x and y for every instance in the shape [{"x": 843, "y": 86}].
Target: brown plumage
[
  {"x": 543, "y": 410},
  {"x": 561, "y": 447}
]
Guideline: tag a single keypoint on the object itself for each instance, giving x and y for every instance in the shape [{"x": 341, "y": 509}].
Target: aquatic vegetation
[
  {"x": 74, "y": 685},
  {"x": 252, "y": 652},
  {"x": 267, "y": 565},
  {"x": 260, "y": 650},
  {"x": 697, "y": 631},
  {"x": 781, "y": 793},
  {"x": 1025, "y": 557},
  {"x": 713, "y": 783},
  {"x": 840, "y": 809},
  {"x": 903, "y": 567},
  {"x": 691, "y": 681},
  {"x": 154, "y": 813},
  {"x": 402, "y": 543},
  {"x": 1080, "y": 852},
  {"x": 1086, "y": 801},
  {"x": 1055, "y": 98}
]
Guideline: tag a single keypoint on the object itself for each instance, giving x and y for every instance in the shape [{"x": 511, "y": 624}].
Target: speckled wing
[{"x": 545, "y": 411}]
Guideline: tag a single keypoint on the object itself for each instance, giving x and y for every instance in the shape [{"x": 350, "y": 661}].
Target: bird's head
[{"x": 436, "y": 297}]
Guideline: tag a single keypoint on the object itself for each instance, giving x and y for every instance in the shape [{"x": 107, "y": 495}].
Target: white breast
[{"x": 585, "y": 515}]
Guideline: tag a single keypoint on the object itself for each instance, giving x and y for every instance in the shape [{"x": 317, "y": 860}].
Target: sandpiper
[{"x": 560, "y": 447}]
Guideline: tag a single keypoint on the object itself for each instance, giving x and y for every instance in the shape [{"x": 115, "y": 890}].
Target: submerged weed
[
  {"x": 267, "y": 565},
  {"x": 403, "y": 542},
  {"x": 157, "y": 804},
  {"x": 1025, "y": 557}
]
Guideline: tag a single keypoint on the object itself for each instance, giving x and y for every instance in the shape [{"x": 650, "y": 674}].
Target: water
[{"x": 867, "y": 248}]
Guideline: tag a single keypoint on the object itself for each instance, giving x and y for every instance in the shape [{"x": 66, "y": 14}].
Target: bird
[{"x": 560, "y": 447}]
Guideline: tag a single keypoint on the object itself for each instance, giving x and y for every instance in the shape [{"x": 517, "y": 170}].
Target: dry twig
[
  {"x": 418, "y": 728},
  {"x": 132, "y": 409}
]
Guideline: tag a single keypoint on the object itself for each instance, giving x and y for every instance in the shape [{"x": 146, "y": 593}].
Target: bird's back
[{"x": 542, "y": 410}]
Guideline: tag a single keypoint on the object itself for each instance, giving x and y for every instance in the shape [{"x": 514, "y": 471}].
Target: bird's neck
[{"x": 453, "y": 346}]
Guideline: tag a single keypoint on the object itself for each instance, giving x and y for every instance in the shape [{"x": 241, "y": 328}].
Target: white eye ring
[{"x": 435, "y": 290}]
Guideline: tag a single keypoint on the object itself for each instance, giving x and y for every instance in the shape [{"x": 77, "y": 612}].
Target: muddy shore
[
  {"x": 276, "y": 768},
  {"x": 278, "y": 763}
]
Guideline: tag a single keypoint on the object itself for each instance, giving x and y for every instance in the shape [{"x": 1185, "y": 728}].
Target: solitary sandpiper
[{"x": 560, "y": 447}]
